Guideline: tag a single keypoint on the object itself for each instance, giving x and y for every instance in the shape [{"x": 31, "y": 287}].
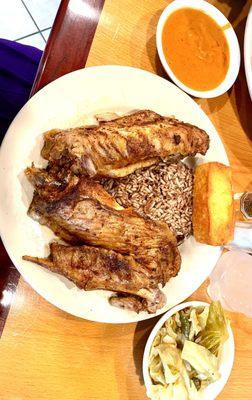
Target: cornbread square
[{"x": 213, "y": 207}]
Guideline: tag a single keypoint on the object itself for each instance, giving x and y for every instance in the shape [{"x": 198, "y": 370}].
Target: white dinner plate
[
  {"x": 67, "y": 102},
  {"x": 248, "y": 51}
]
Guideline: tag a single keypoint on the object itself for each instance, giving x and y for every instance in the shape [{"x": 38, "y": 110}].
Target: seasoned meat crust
[
  {"x": 95, "y": 268},
  {"x": 86, "y": 213},
  {"x": 119, "y": 147}
]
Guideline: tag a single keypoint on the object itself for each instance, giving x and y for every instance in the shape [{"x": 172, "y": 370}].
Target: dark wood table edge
[
  {"x": 69, "y": 42},
  {"x": 69, "y": 28}
]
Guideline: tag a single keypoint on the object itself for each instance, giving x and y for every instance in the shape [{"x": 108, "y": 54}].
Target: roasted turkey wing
[
  {"x": 119, "y": 147},
  {"x": 95, "y": 268},
  {"x": 87, "y": 214}
]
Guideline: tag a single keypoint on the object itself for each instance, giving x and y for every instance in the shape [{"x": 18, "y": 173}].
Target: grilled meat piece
[
  {"x": 94, "y": 268},
  {"x": 151, "y": 301},
  {"x": 119, "y": 147},
  {"x": 86, "y": 213},
  {"x": 49, "y": 187}
]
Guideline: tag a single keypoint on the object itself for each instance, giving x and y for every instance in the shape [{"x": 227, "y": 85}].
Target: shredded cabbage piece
[
  {"x": 215, "y": 332},
  {"x": 193, "y": 394},
  {"x": 170, "y": 326},
  {"x": 156, "y": 371},
  {"x": 179, "y": 391},
  {"x": 202, "y": 360},
  {"x": 172, "y": 362},
  {"x": 195, "y": 327},
  {"x": 202, "y": 317},
  {"x": 159, "y": 392}
]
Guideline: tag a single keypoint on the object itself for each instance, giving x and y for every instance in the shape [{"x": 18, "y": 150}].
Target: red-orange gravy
[{"x": 196, "y": 49}]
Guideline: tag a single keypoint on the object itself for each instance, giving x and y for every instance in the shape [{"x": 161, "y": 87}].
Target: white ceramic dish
[
  {"x": 248, "y": 51},
  {"x": 67, "y": 102},
  {"x": 226, "y": 356},
  {"x": 231, "y": 37}
]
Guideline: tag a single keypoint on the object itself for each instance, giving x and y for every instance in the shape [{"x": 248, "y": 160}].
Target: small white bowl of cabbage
[{"x": 189, "y": 354}]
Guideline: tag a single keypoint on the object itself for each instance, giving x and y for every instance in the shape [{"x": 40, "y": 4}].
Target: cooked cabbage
[
  {"x": 159, "y": 392},
  {"x": 156, "y": 371},
  {"x": 179, "y": 391},
  {"x": 202, "y": 360},
  {"x": 184, "y": 355},
  {"x": 202, "y": 317},
  {"x": 215, "y": 332},
  {"x": 195, "y": 327},
  {"x": 171, "y": 361}
]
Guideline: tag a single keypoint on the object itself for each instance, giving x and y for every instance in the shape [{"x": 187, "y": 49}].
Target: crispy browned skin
[
  {"x": 86, "y": 213},
  {"x": 94, "y": 268},
  {"x": 119, "y": 147},
  {"x": 153, "y": 301},
  {"x": 51, "y": 188}
]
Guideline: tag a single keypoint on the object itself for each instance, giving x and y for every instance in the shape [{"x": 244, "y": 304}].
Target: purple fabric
[{"x": 18, "y": 67}]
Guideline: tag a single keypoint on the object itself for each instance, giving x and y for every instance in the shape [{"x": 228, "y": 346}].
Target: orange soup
[{"x": 195, "y": 49}]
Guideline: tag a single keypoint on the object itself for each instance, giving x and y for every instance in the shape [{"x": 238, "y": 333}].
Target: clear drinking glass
[{"x": 231, "y": 280}]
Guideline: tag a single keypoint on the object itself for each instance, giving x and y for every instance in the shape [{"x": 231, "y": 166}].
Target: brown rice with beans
[{"x": 161, "y": 192}]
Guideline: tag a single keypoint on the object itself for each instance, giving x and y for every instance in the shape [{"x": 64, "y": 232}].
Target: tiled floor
[{"x": 27, "y": 21}]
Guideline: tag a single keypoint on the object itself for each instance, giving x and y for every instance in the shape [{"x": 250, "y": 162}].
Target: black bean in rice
[{"x": 161, "y": 192}]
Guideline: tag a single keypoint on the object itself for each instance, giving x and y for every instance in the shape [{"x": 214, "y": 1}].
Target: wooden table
[{"x": 47, "y": 354}]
